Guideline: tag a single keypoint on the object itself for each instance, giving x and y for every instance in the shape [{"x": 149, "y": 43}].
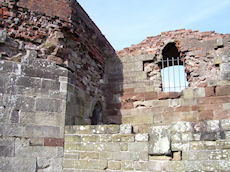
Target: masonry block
[
  {"x": 91, "y": 164},
  {"x": 49, "y": 105},
  {"x": 7, "y": 148},
  {"x": 114, "y": 165},
  {"x": 222, "y": 90},
  {"x": 159, "y": 142},
  {"x": 126, "y": 129},
  {"x": 141, "y": 137}
]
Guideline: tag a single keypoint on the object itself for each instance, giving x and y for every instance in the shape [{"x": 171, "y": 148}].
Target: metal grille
[{"x": 173, "y": 74}]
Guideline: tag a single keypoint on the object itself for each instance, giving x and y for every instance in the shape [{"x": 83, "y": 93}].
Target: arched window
[
  {"x": 96, "y": 118},
  {"x": 172, "y": 70}
]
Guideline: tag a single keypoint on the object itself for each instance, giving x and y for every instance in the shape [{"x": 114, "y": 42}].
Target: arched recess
[
  {"x": 172, "y": 69},
  {"x": 97, "y": 114}
]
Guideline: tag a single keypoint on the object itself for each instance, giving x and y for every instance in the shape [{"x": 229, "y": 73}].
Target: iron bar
[
  {"x": 174, "y": 81},
  {"x": 168, "y": 72},
  {"x": 184, "y": 75},
  {"x": 178, "y": 64},
  {"x": 163, "y": 83}
]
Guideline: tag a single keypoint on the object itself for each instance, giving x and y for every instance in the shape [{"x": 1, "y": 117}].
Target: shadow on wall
[
  {"x": 93, "y": 88},
  {"x": 114, "y": 90}
]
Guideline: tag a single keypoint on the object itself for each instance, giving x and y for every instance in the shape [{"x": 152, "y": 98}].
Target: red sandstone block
[
  {"x": 127, "y": 105},
  {"x": 204, "y": 84},
  {"x": 168, "y": 95},
  {"x": 171, "y": 117},
  {"x": 57, "y": 142},
  {"x": 205, "y": 107},
  {"x": 223, "y": 90},
  {"x": 221, "y": 114},
  {"x": 133, "y": 97},
  {"x": 205, "y": 115},
  {"x": 209, "y": 91},
  {"x": 186, "y": 108},
  {"x": 6, "y": 12},
  {"x": 151, "y": 95},
  {"x": 213, "y": 100},
  {"x": 163, "y": 95},
  {"x": 128, "y": 91}
]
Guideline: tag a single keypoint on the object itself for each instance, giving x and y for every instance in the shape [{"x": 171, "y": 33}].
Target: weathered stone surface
[
  {"x": 114, "y": 165},
  {"x": 3, "y": 36},
  {"x": 49, "y": 105},
  {"x": 126, "y": 129},
  {"x": 36, "y": 96},
  {"x": 141, "y": 137},
  {"x": 181, "y": 127},
  {"x": 16, "y": 164},
  {"x": 219, "y": 42},
  {"x": 159, "y": 142},
  {"x": 7, "y": 148}
]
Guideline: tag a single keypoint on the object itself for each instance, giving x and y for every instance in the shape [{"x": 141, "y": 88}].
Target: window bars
[{"x": 173, "y": 74}]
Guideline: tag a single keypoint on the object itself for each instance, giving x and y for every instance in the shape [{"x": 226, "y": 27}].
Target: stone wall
[
  {"x": 181, "y": 146},
  {"x": 57, "y": 68},
  {"x": 52, "y": 70},
  {"x": 138, "y": 91},
  {"x": 71, "y": 40},
  {"x": 32, "y": 115}
]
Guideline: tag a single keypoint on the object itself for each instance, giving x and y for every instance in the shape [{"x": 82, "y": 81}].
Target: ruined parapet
[
  {"x": 206, "y": 61},
  {"x": 52, "y": 66},
  {"x": 62, "y": 32}
]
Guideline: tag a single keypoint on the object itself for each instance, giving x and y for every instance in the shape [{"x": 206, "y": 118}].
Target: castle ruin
[{"x": 69, "y": 102}]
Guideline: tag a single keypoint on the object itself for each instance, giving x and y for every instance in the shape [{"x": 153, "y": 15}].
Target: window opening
[{"x": 172, "y": 70}]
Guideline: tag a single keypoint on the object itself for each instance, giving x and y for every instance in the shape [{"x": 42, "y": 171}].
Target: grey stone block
[
  {"x": 17, "y": 164},
  {"x": 34, "y": 71},
  {"x": 28, "y": 81},
  {"x": 225, "y": 67},
  {"x": 226, "y": 58},
  {"x": 126, "y": 129},
  {"x": 219, "y": 42},
  {"x": 10, "y": 67},
  {"x": 213, "y": 125},
  {"x": 225, "y": 76},
  {"x": 22, "y": 149},
  {"x": 48, "y": 84},
  {"x": 25, "y": 104},
  {"x": 49, "y": 164},
  {"x": 181, "y": 127},
  {"x": 225, "y": 124},
  {"x": 209, "y": 136},
  {"x": 138, "y": 147},
  {"x": 159, "y": 143},
  {"x": 49, "y": 105},
  {"x": 7, "y": 147},
  {"x": 43, "y": 131},
  {"x": 14, "y": 117},
  {"x": 3, "y": 36},
  {"x": 14, "y": 130}
]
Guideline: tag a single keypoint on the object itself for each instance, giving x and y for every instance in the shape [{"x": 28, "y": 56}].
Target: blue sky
[{"x": 126, "y": 22}]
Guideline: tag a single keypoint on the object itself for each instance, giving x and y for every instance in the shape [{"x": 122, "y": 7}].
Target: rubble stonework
[
  {"x": 67, "y": 37},
  {"x": 138, "y": 90},
  {"x": 52, "y": 65},
  {"x": 59, "y": 75}
]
